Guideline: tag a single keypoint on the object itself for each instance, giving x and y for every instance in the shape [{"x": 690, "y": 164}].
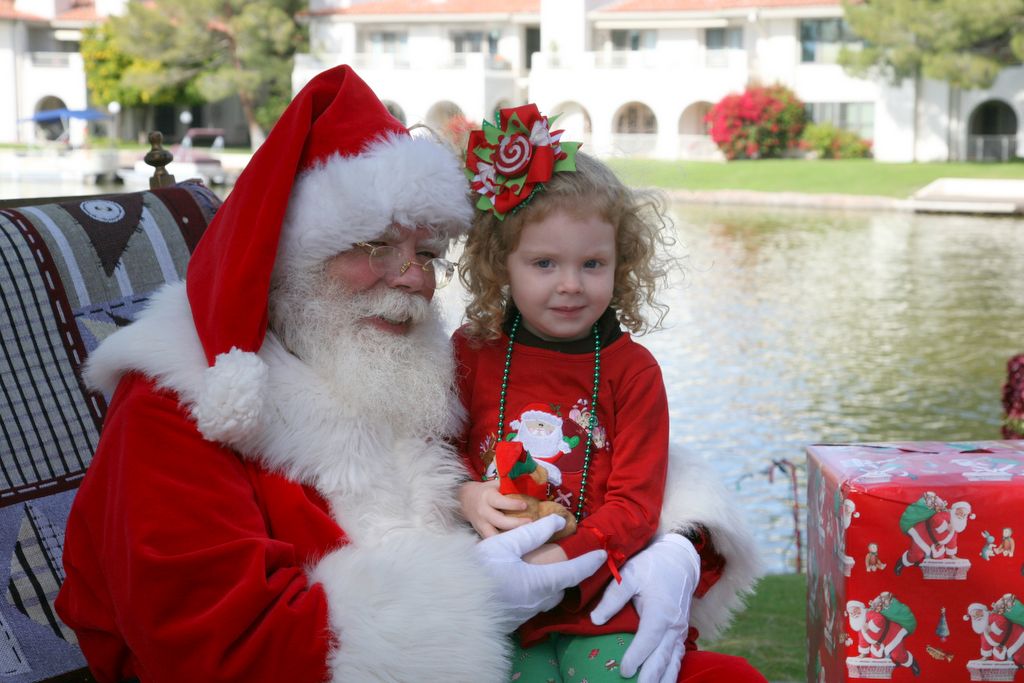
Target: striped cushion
[{"x": 70, "y": 274}]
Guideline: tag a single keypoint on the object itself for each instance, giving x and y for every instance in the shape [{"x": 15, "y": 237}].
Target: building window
[
  {"x": 633, "y": 40},
  {"x": 719, "y": 42},
  {"x": 467, "y": 41},
  {"x": 387, "y": 43},
  {"x": 822, "y": 39},
  {"x": 730, "y": 38},
  {"x": 857, "y": 117}
]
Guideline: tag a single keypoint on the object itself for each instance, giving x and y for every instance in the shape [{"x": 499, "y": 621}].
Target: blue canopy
[{"x": 62, "y": 114}]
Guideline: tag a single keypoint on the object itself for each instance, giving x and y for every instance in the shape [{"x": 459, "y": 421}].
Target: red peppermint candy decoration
[{"x": 514, "y": 153}]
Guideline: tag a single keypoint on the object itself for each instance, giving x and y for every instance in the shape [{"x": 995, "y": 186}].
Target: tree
[
  {"x": 215, "y": 48},
  {"x": 942, "y": 630},
  {"x": 105, "y": 69},
  {"x": 965, "y": 43}
]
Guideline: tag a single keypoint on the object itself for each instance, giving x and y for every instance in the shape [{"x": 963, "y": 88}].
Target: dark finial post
[{"x": 158, "y": 158}]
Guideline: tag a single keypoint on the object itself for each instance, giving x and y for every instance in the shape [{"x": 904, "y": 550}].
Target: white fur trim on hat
[
  {"x": 231, "y": 399},
  {"x": 540, "y": 416},
  {"x": 348, "y": 199}
]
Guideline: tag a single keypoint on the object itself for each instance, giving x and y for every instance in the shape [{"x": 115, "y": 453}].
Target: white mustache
[{"x": 391, "y": 304}]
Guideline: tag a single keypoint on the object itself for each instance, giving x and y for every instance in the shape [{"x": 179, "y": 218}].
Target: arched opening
[
  {"x": 636, "y": 129},
  {"x": 574, "y": 120},
  {"x": 396, "y": 111},
  {"x": 447, "y": 119},
  {"x": 694, "y": 133},
  {"x": 992, "y": 132},
  {"x": 636, "y": 118},
  {"x": 693, "y": 120},
  {"x": 50, "y": 130}
]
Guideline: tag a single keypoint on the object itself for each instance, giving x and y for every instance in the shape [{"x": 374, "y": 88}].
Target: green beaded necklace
[{"x": 593, "y": 403}]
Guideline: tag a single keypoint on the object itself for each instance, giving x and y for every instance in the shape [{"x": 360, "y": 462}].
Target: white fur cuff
[{"x": 231, "y": 399}]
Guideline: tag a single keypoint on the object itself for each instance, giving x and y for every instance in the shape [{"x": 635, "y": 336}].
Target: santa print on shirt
[
  {"x": 547, "y": 409},
  {"x": 558, "y": 445}
]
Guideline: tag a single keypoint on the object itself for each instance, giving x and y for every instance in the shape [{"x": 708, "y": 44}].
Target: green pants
[{"x": 570, "y": 659}]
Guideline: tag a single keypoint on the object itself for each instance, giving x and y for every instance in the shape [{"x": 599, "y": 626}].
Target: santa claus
[
  {"x": 274, "y": 497},
  {"x": 1000, "y": 630},
  {"x": 882, "y": 627},
  {"x": 978, "y": 615},
  {"x": 540, "y": 432},
  {"x": 932, "y": 528},
  {"x": 849, "y": 513},
  {"x": 855, "y": 612}
]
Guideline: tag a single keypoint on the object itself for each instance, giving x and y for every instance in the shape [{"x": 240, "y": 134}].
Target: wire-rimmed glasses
[{"x": 386, "y": 260}]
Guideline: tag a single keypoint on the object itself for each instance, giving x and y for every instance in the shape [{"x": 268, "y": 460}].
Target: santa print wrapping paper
[{"x": 913, "y": 571}]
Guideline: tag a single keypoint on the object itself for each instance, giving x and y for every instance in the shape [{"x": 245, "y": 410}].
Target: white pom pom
[{"x": 229, "y": 404}]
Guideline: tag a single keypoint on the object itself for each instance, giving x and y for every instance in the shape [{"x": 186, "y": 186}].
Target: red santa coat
[
  {"x": 147, "y": 548},
  {"x": 294, "y": 554},
  {"x": 1004, "y": 640},
  {"x": 983, "y": 637},
  {"x": 932, "y": 538},
  {"x": 881, "y": 638},
  {"x": 291, "y": 551}
]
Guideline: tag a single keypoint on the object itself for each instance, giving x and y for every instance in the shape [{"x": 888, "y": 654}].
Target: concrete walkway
[
  {"x": 945, "y": 195},
  {"x": 790, "y": 199},
  {"x": 971, "y": 195}
]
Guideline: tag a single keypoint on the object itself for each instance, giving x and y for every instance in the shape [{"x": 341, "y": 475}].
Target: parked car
[{"x": 193, "y": 158}]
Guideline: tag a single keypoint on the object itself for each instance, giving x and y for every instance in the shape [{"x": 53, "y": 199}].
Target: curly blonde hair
[{"x": 642, "y": 241}]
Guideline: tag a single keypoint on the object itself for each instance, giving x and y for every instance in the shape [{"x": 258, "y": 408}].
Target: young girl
[{"x": 561, "y": 257}]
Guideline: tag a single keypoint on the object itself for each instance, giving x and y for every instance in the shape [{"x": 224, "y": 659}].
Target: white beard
[
  {"x": 402, "y": 381},
  {"x": 856, "y": 620},
  {"x": 958, "y": 521},
  {"x": 541, "y": 446}
]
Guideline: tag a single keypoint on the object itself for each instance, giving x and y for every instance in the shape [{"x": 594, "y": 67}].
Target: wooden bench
[{"x": 74, "y": 269}]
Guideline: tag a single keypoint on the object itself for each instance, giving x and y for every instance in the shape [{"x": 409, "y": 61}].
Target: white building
[
  {"x": 40, "y": 65},
  {"x": 41, "y": 68},
  {"x": 629, "y": 76},
  {"x": 638, "y": 76}
]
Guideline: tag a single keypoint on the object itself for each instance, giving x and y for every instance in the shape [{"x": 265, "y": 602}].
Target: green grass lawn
[
  {"x": 844, "y": 176},
  {"x": 772, "y": 632}
]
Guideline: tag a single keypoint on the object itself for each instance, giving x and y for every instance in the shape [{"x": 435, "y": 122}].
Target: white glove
[
  {"x": 524, "y": 590},
  {"x": 660, "y": 580}
]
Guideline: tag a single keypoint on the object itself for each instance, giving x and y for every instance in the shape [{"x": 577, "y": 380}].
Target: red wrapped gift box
[{"x": 913, "y": 571}]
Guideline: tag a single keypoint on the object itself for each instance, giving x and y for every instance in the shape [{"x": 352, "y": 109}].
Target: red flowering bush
[{"x": 760, "y": 123}]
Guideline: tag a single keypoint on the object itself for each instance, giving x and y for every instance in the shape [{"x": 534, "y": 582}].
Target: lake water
[{"x": 794, "y": 327}]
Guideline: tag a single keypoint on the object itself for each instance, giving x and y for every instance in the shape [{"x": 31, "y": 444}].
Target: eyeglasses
[{"x": 386, "y": 260}]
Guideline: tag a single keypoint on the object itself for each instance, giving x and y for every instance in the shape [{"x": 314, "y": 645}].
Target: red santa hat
[
  {"x": 336, "y": 169},
  {"x": 540, "y": 412},
  {"x": 963, "y": 505}
]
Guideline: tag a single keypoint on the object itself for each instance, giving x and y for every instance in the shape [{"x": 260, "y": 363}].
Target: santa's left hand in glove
[
  {"x": 660, "y": 581},
  {"x": 524, "y": 590}
]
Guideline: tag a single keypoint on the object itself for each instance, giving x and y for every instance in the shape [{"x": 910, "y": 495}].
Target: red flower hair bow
[{"x": 506, "y": 162}]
